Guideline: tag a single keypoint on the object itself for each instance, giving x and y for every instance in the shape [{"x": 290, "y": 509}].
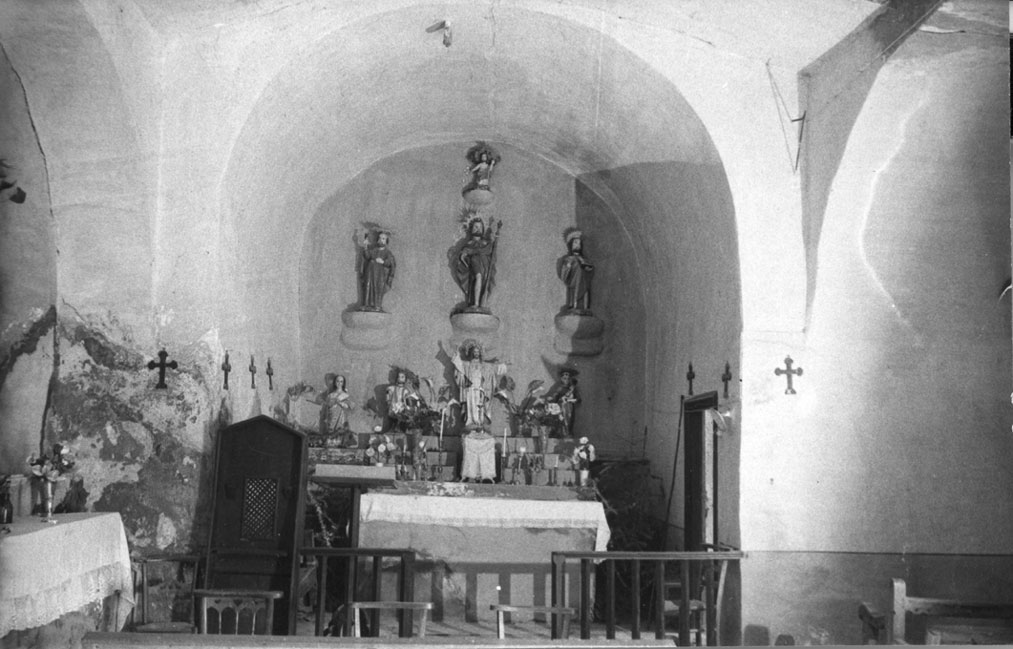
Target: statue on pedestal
[
  {"x": 482, "y": 159},
  {"x": 576, "y": 272},
  {"x": 376, "y": 265},
  {"x": 473, "y": 261}
]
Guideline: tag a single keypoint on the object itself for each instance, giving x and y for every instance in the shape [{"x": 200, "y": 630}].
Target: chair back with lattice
[
  {"x": 236, "y": 612},
  {"x": 257, "y": 513}
]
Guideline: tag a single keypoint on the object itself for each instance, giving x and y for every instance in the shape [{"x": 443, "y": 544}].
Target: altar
[
  {"x": 51, "y": 569},
  {"x": 482, "y": 544}
]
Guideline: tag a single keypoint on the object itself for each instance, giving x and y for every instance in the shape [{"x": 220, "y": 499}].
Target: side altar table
[
  {"x": 475, "y": 551},
  {"x": 48, "y": 570}
]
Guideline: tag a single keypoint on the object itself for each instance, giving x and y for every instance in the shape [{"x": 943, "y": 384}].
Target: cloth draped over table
[
  {"x": 487, "y": 512},
  {"x": 48, "y": 570}
]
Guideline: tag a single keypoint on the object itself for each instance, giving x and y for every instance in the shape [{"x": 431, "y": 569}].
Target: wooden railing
[
  {"x": 694, "y": 567},
  {"x": 352, "y": 556}
]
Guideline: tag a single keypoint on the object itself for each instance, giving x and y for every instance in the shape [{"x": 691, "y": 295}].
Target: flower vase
[
  {"x": 47, "y": 500},
  {"x": 582, "y": 476}
]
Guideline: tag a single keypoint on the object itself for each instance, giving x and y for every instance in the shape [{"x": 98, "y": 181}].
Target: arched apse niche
[{"x": 371, "y": 124}]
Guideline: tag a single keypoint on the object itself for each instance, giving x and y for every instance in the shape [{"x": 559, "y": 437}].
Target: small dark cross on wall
[
  {"x": 726, "y": 377},
  {"x": 161, "y": 365},
  {"x": 253, "y": 373},
  {"x": 789, "y": 373},
  {"x": 690, "y": 375},
  {"x": 226, "y": 367},
  {"x": 270, "y": 375}
]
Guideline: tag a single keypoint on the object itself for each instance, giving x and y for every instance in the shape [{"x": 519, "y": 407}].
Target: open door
[{"x": 701, "y": 497}]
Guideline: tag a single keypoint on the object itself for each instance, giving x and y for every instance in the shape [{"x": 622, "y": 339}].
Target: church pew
[{"x": 946, "y": 621}]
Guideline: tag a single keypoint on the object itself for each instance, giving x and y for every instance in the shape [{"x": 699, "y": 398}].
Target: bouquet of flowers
[
  {"x": 583, "y": 454},
  {"x": 50, "y": 467},
  {"x": 533, "y": 410},
  {"x": 381, "y": 447}
]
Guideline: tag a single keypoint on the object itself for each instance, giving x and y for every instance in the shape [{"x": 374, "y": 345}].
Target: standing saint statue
[
  {"x": 567, "y": 397},
  {"x": 474, "y": 264},
  {"x": 376, "y": 265},
  {"x": 476, "y": 380},
  {"x": 334, "y": 406},
  {"x": 576, "y": 272}
]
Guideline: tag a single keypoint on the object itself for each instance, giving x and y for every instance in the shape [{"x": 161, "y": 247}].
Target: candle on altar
[
  {"x": 443, "y": 416},
  {"x": 505, "y": 429}
]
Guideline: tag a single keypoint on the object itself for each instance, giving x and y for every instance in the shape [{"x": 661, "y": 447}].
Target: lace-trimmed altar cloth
[
  {"x": 48, "y": 570},
  {"x": 487, "y": 512}
]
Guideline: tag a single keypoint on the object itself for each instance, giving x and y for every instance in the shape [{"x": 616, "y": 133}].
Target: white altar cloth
[
  {"x": 487, "y": 512},
  {"x": 476, "y": 551},
  {"x": 48, "y": 570}
]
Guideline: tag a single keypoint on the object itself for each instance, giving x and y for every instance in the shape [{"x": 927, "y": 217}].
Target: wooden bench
[
  {"x": 422, "y": 607},
  {"x": 946, "y": 621},
  {"x": 564, "y": 612}
]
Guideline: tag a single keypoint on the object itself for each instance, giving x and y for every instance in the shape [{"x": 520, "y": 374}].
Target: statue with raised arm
[
  {"x": 476, "y": 380},
  {"x": 576, "y": 272},
  {"x": 482, "y": 159},
  {"x": 376, "y": 265},
  {"x": 474, "y": 264}
]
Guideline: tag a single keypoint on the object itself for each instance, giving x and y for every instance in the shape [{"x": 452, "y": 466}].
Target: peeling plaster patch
[
  {"x": 141, "y": 450},
  {"x": 29, "y": 341},
  {"x": 111, "y": 433},
  {"x": 166, "y": 534}
]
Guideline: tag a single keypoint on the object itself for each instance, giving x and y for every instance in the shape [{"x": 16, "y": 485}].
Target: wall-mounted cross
[
  {"x": 726, "y": 377},
  {"x": 270, "y": 375},
  {"x": 690, "y": 375},
  {"x": 226, "y": 367},
  {"x": 253, "y": 373},
  {"x": 161, "y": 365},
  {"x": 789, "y": 373}
]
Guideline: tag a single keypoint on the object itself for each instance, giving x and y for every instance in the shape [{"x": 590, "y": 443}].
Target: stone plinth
[
  {"x": 366, "y": 329},
  {"x": 477, "y": 196},
  {"x": 474, "y": 324},
  {"x": 578, "y": 335}
]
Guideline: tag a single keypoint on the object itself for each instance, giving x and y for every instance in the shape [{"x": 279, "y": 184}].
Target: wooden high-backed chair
[{"x": 257, "y": 516}]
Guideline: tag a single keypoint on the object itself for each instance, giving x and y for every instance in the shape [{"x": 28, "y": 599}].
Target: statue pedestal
[
  {"x": 469, "y": 323},
  {"x": 578, "y": 335},
  {"x": 366, "y": 329},
  {"x": 477, "y": 196}
]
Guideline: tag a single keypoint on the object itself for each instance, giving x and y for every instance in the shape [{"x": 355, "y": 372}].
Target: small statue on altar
[
  {"x": 482, "y": 159},
  {"x": 565, "y": 396},
  {"x": 474, "y": 263},
  {"x": 403, "y": 399},
  {"x": 375, "y": 267},
  {"x": 476, "y": 380},
  {"x": 576, "y": 272},
  {"x": 334, "y": 406}
]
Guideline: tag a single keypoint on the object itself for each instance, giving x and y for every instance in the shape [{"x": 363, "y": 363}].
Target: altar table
[
  {"x": 475, "y": 551},
  {"x": 50, "y": 569}
]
